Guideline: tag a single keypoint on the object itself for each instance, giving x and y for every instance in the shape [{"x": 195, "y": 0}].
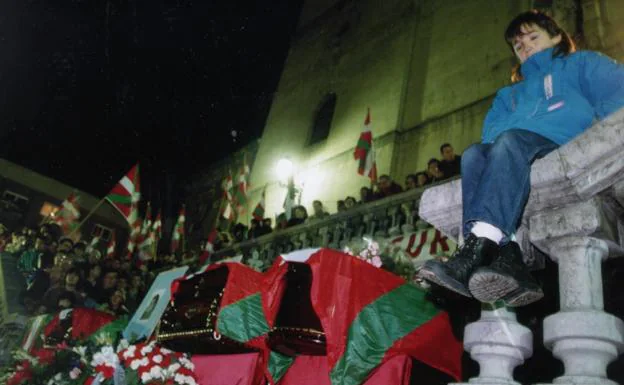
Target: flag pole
[{"x": 97, "y": 206}]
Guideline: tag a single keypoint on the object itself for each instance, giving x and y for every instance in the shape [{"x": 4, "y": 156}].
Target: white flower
[
  {"x": 165, "y": 351},
  {"x": 146, "y": 349},
  {"x": 146, "y": 377},
  {"x": 157, "y": 372},
  {"x": 186, "y": 363},
  {"x": 182, "y": 379},
  {"x": 174, "y": 367},
  {"x": 106, "y": 356},
  {"x": 123, "y": 344},
  {"x": 129, "y": 352},
  {"x": 157, "y": 358},
  {"x": 75, "y": 373},
  {"x": 80, "y": 350},
  {"x": 134, "y": 365}
]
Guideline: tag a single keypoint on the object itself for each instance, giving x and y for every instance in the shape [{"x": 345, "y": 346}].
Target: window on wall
[
  {"x": 102, "y": 231},
  {"x": 14, "y": 202},
  {"x": 323, "y": 119}
]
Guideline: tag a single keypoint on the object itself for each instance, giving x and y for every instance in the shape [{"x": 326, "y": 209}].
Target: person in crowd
[
  {"x": 319, "y": 212},
  {"x": 350, "y": 202},
  {"x": 90, "y": 284},
  {"x": 341, "y": 206},
  {"x": 366, "y": 195},
  {"x": 254, "y": 228},
  {"x": 108, "y": 285},
  {"x": 281, "y": 221},
  {"x": 433, "y": 171},
  {"x": 411, "y": 182},
  {"x": 421, "y": 179},
  {"x": 66, "y": 300},
  {"x": 265, "y": 227},
  {"x": 300, "y": 214},
  {"x": 30, "y": 259},
  {"x": 65, "y": 245},
  {"x": 239, "y": 232},
  {"x": 70, "y": 285},
  {"x": 450, "y": 163},
  {"x": 556, "y": 94},
  {"x": 135, "y": 292},
  {"x": 387, "y": 187},
  {"x": 116, "y": 304}
]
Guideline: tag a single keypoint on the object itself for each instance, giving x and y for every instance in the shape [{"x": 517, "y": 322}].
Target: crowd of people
[
  {"x": 58, "y": 273},
  {"x": 437, "y": 170}
]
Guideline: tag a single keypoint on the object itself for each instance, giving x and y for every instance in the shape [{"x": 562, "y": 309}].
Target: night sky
[{"x": 90, "y": 87}]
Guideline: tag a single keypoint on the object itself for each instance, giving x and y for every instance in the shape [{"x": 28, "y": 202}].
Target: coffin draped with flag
[{"x": 368, "y": 316}]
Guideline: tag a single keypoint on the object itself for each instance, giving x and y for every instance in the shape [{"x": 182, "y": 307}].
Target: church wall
[{"x": 428, "y": 69}]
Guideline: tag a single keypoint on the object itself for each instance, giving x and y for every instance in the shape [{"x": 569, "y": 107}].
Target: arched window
[{"x": 323, "y": 119}]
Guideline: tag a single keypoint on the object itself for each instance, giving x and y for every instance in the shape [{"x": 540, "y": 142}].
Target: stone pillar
[
  {"x": 499, "y": 344},
  {"x": 581, "y": 334}
]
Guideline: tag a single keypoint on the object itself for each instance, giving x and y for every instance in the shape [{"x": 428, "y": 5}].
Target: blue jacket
[{"x": 559, "y": 97}]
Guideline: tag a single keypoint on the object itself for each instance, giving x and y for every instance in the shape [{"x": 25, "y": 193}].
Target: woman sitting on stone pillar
[{"x": 556, "y": 94}]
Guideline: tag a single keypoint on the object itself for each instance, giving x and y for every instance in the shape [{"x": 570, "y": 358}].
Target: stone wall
[{"x": 428, "y": 70}]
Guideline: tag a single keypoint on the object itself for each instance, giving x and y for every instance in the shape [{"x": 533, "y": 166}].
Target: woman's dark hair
[{"x": 565, "y": 47}]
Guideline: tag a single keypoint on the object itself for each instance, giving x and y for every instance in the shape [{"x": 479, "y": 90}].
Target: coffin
[
  {"x": 189, "y": 321},
  {"x": 297, "y": 328}
]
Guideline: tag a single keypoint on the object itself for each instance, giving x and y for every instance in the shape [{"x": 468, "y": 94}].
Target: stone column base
[
  {"x": 579, "y": 380},
  {"x": 486, "y": 381}
]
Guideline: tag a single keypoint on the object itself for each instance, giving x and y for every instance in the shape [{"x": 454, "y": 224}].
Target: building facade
[
  {"x": 427, "y": 69},
  {"x": 27, "y": 198}
]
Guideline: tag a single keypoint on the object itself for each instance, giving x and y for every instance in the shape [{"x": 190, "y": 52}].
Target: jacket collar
[{"x": 539, "y": 63}]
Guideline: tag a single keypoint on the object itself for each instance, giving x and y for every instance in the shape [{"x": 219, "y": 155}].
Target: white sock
[{"x": 486, "y": 230}]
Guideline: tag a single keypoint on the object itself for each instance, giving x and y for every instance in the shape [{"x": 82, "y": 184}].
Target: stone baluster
[
  {"x": 305, "y": 240},
  {"x": 395, "y": 217},
  {"x": 498, "y": 343},
  {"x": 409, "y": 212},
  {"x": 324, "y": 233},
  {"x": 581, "y": 334},
  {"x": 346, "y": 235}
]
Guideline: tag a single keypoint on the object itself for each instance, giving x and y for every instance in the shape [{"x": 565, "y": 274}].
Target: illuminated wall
[{"x": 427, "y": 69}]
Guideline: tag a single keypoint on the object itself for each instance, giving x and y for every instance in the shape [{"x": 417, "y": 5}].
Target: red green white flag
[
  {"x": 126, "y": 194},
  {"x": 178, "y": 232},
  {"x": 69, "y": 213},
  {"x": 135, "y": 235},
  {"x": 147, "y": 221},
  {"x": 112, "y": 244},
  {"x": 365, "y": 151},
  {"x": 229, "y": 208},
  {"x": 243, "y": 186},
  {"x": 356, "y": 326}
]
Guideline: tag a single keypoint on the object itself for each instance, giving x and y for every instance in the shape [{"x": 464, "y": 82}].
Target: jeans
[{"x": 496, "y": 178}]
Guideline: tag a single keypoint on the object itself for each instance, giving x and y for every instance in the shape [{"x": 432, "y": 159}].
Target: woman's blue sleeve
[
  {"x": 602, "y": 82},
  {"x": 498, "y": 113}
]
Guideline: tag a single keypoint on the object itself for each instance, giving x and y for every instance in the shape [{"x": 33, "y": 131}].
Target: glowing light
[{"x": 284, "y": 169}]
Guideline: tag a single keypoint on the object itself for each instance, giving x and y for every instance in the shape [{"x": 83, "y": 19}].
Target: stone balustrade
[
  {"x": 388, "y": 217},
  {"x": 575, "y": 215}
]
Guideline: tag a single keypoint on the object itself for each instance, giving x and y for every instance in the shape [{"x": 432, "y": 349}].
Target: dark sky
[{"x": 89, "y": 87}]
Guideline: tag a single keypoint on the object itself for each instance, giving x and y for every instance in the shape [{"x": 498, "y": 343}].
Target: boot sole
[
  {"x": 521, "y": 297},
  {"x": 436, "y": 274},
  {"x": 489, "y": 286}
]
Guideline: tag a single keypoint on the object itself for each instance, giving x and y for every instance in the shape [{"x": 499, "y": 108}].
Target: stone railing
[
  {"x": 575, "y": 215},
  {"x": 392, "y": 216}
]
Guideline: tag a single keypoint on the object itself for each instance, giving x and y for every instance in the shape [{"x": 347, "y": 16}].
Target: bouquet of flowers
[
  {"x": 367, "y": 250},
  {"x": 150, "y": 364}
]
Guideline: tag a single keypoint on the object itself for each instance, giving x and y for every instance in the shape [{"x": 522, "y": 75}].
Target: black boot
[
  {"x": 507, "y": 279},
  {"x": 454, "y": 274}
]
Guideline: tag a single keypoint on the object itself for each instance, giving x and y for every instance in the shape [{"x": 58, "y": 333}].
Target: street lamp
[{"x": 284, "y": 169}]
